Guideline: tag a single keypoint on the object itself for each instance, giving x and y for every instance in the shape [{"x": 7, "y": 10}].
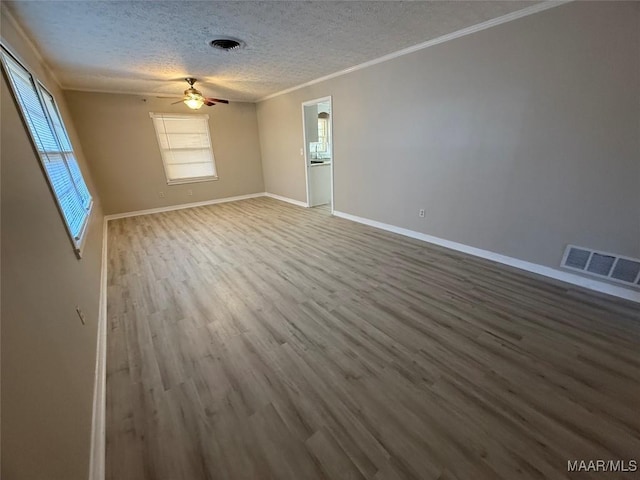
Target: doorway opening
[{"x": 317, "y": 128}]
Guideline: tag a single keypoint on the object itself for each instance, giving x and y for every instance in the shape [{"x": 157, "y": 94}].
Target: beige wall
[
  {"x": 118, "y": 136},
  {"x": 517, "y": 139},
  {"x": 48, "y": 356},
  {"x": 282, "y": 141}
]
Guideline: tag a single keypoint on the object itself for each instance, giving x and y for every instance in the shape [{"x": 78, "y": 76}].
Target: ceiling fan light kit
[
  {"x": 194, "y": 99},
  {"x": 194, "y": 103}
]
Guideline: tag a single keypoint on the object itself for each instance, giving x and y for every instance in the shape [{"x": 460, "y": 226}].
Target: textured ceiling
[{"x": 150, "y": 46}]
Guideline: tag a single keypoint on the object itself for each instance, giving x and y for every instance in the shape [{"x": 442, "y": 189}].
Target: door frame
[{"x": 307, "y": 161}]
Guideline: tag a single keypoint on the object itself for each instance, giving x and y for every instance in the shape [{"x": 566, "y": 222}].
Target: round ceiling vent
[{"x": 227, "y": 44}]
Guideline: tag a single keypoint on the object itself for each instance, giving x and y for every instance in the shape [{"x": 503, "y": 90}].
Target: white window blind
[
  {"x": 185, "y": 147},
  {"x": 54, "y": 148}
]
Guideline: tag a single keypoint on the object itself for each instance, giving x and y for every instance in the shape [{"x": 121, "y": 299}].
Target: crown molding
[
  {"x": 122, "y": 92},
  {"x": 6, "y": 12},
  {"x": 139, "y": 94},
  {"x": 539, "y": 7}
]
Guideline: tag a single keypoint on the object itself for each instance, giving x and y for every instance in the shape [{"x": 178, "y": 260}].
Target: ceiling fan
[{"x": 194, "y": 99}]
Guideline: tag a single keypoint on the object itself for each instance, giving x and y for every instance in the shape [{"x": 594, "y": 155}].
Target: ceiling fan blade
[
  {"x": 217, "y": 100},
  {"x": 180, "y": 101},
  {"x": 208, "y": 103}
]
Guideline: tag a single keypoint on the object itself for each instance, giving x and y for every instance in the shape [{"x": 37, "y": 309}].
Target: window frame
[
  {"x": 184, "y": 116},
  {"x": 78, "y": 242}
]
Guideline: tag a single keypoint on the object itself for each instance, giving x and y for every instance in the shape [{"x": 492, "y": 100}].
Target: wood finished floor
[{"x": 259, "y": 340}]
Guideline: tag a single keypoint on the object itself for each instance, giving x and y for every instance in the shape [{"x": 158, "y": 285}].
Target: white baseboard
[
  {"x": 98, "y": 423},
  {"x": 567, "y": 277},
  {"x": 97, "y": 460},
  {"x": 181, "y": 206},
  {"x": 286, "y": 199},
  {"x": 98, "y": 433}
]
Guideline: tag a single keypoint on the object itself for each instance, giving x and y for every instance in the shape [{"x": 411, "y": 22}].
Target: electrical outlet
[
  {"x": 80, "y": 314},
  {"x": 161, "y": 194},
  {"x": 190, "y": 192},
  {"x": 301, "y": 151},
  {"x": 421, "y": 213}
]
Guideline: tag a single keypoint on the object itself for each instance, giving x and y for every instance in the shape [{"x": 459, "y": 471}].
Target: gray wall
[
  {"x": 48, "y": 356},
  {"x": 118, "y": 136},
  {"x": 517, "y": 139}
]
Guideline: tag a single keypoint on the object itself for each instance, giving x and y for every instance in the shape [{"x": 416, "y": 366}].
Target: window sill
[
  {"x": 80, "y": 242},
  {"x": 191, "y": 180}
]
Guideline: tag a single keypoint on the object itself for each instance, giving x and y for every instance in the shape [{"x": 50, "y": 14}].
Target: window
[
  {"x": 185, "y": 147},
  {"x": 50, "y": 139},
  {"x": 323, "y": 132}
]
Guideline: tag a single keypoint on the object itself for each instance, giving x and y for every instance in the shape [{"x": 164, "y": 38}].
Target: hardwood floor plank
[{"x": 259, "y": 340}]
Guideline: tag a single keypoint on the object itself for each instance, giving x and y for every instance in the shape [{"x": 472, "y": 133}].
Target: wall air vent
[
  {"x": 577, "y": 258},
  {"x": 600, "y": 264},
  {"x": 605, "y": 265}
]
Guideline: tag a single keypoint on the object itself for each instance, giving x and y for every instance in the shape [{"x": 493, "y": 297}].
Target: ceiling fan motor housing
[
  {"x": 194, "y": 99},
  {"x": 191, "y": 92}
]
